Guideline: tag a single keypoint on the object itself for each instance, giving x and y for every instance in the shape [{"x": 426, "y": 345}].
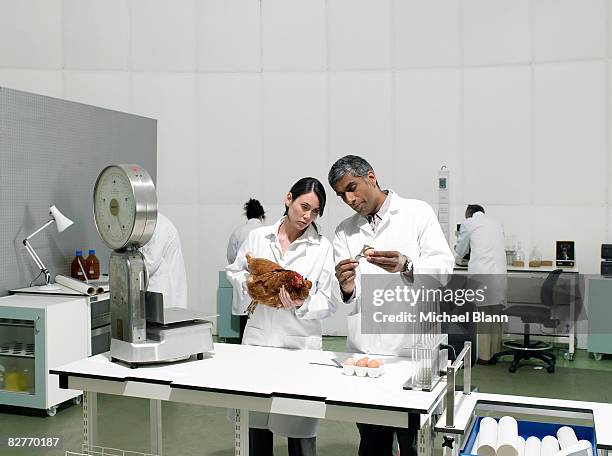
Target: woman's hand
[{"x": 286, "y": 300}]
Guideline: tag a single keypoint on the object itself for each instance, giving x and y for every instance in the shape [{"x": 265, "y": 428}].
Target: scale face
[{"x": 125, "y": 206}]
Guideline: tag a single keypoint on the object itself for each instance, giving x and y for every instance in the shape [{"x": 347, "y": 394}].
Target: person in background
[
  {"x": 294, "y": 243},
  {"x": 407, "y": 239},
  {"x": 165, "y": 264},
  {"x": 255, "y": 215},
  {"x": 483, "y": 237}
]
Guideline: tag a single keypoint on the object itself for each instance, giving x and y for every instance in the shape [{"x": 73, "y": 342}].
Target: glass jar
[
  {"x": 535, "y": 258},
  {"x": 519, "y": 257}
]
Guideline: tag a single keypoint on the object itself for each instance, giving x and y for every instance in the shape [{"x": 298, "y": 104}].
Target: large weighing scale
[{"x": 143, "y": 330}]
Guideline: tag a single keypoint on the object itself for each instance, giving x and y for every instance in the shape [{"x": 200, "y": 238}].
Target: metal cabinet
[
  {"x": 38, "y": 333},
  {"x": 228, "y": 325},
  {"x": 600, "y": 316}
]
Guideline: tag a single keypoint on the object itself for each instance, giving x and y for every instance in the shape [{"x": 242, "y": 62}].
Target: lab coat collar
[
  {"x": 394, "y": 207},
  {"x": 254, "y": 221},
  {"x": 310, "y": 235}
]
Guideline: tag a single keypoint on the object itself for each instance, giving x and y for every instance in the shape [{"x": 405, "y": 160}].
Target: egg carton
[{"x": 362, "y": 371}]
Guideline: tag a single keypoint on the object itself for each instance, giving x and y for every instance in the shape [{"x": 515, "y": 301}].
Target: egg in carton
[{"x": 363, "y": 367}]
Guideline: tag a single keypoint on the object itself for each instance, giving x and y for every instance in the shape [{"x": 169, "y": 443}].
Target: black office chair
[{"x": 541, "y": 313}]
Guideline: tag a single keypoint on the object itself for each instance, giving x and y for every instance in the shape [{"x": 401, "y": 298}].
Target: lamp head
[{"x": 61, "y": 220}]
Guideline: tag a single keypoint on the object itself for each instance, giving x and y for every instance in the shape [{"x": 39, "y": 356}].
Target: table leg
[
  {"x": 574, "y": 289},
  {"x": 90, "y": 419},
  {"x": 155, "y": 421},
  {"x": 241, "y": 433}
]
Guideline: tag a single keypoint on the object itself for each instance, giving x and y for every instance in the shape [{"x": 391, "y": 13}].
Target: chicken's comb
[{"x": 297, "y": 280}]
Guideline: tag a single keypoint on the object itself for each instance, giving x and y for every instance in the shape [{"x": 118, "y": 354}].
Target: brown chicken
[{"x": 266, "y": 279}]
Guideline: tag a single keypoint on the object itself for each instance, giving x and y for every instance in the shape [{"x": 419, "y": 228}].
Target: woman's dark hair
[
  {"x": 254, "y": 209},
  {"x": 307, "y": 185}
]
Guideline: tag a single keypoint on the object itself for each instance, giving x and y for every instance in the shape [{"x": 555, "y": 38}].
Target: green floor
[{"x": 203, "y": 431}]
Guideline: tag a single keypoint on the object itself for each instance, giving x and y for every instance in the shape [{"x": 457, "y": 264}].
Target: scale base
[{"x": 165, "y": 344}]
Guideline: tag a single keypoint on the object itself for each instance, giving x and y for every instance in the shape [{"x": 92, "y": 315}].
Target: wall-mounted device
[{"x": 444, "y": 201}]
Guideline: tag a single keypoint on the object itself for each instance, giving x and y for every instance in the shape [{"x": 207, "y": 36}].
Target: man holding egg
[{"x": 395, "y": 236}]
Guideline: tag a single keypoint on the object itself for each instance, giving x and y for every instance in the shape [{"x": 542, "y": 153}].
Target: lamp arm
[
  {"x": 38, "y": 230},
  {"x": 38, "y": 261},
  {"x": 35, "y": 257}
]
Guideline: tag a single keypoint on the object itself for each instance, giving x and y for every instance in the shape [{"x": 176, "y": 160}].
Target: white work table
[{"x": 265, "y": 379}]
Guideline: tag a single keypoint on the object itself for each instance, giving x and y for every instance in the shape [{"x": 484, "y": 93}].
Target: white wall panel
[
  {"x": 171, "y": 99},
  {"x": 228, "y": 33},
  {"x": 96, "y": 34}
]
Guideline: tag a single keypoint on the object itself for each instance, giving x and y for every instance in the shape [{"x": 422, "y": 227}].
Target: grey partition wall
[{"x": 51, "y": 152}]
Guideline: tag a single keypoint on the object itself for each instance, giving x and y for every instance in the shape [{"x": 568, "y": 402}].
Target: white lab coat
[
  {"x": 165, "y": 264},
  {"x": 483, "y": 237},
  {"x": 409, "y": 227},
  {"x": 239, "y": 236},
  {"x": 311, "y": 255}
]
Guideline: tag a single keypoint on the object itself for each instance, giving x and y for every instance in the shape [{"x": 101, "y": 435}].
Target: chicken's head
[{"x": 297, "y": 281}]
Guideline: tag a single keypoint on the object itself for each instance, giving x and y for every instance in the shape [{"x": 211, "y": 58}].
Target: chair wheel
[
  {"x": 550, "y": 369},
  {"x": 512, "y": 369}
]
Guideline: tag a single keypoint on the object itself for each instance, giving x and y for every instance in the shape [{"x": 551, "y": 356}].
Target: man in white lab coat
[
  {"x": 165, "y": 265},
  {"x": 256, "y": 215},
  {"x": 407, "y": 239},
  {"x": 483, "y": 237}
]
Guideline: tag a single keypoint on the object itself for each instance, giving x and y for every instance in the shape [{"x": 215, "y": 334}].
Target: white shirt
[
  {"x": 165, "y": 264},
  {"x": 483, "y": 237},
  {"x": 409, "y": 227},
  {"x": 239, "y": 236}
]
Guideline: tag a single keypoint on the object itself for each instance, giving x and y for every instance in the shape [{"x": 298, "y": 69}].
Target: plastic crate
[{"x": 528, "y": 429}]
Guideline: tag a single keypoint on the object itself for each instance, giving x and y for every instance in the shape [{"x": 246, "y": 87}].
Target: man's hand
[
  {"x": 345, "y": 273},
  {"x": 286, "y": 300},
  {"x": 387, "y": 260}
]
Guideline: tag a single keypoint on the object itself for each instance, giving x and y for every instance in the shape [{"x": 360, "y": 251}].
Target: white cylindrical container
[
  {"x": 585, "y": 442},
  {"x": 582, "y": 448},
  {"x": 567, "y": 437},
  {"x": 520, "y": 446},
  {"x": 550, "y": 446},
  {"x": 507, "y": 436},
  {"x": 533, "y": 446},
  {"x": 487, "y": 437}
]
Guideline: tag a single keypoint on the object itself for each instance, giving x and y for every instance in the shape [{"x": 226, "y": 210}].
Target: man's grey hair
[{"x": 353, "y": 164}]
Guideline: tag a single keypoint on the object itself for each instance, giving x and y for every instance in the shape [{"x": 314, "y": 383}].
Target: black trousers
[
  {"x": 261, "y": 443},
  {"x": 378, "y": 440},
  {"x": 243, "y": 323}
]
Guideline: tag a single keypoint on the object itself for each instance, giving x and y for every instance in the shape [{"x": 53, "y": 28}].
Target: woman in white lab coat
[{"x": 294, "y": 243}]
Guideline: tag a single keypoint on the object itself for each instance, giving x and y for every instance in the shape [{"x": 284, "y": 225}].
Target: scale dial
[{"x": 125, "y": 206}]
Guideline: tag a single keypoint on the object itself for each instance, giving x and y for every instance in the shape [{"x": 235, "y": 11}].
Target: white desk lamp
[{"x": 62, "y": 222}]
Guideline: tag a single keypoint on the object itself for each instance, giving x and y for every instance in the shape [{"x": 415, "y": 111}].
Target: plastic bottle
[
  {"x": 92, "y": 266},
  {"x": 76, "y": 271}
]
